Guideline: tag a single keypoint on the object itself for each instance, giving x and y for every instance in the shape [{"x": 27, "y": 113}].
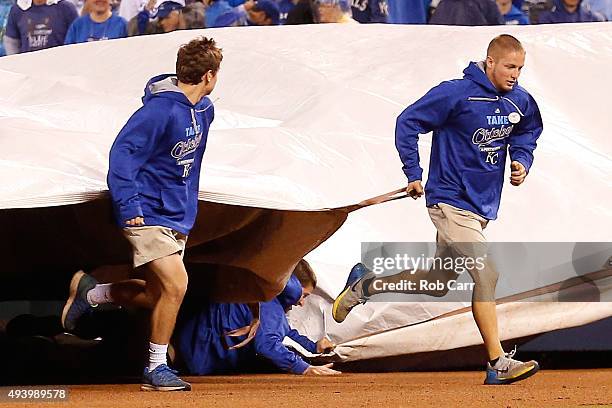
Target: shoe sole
[
  {"x": 149, "y": 387},
  {"x": 337, "y": 304},
  {"x": 523, "y": 376},
  {"x": 74, "y": 286}
]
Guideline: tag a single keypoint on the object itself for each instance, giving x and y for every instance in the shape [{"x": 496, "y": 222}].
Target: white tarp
[{"x": 305, "y": 119}]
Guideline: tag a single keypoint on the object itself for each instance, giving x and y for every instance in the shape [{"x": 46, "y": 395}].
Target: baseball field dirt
[{"x": 549, "y": 388}]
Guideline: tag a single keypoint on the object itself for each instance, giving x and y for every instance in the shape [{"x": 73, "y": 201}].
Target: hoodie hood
[
  {"x": 475, "y": 72},
  {"x": 166, "y": 86},
  {"x": 291, "y": 294}
]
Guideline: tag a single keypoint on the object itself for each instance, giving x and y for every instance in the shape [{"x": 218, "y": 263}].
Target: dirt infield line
[{"x": 563, "y": 388}]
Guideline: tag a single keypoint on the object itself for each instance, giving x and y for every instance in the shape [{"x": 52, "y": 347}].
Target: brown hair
[
  {"x": 196, "y": 58},
  {"x": 305, "y": 274},
  {"x": 504, "y": 43}
]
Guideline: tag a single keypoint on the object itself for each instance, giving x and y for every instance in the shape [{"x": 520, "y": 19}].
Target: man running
[
  {"x": 476, "y": 121},
  {"x": 153, "y": 178}
]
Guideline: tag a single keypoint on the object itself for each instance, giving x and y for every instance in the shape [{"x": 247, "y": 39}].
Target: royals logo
[
  {"x": 186, "y": 147},
  {"x": 483, "y": 137}
]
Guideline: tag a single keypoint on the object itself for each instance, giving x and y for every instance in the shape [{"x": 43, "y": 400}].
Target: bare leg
[
  {"x": 166, "y": 281},
  {"x": 125, "y": 291},
  {"x": 132, "y": 292},
  {"x": 485, "y": 316},
  {"x": 484, "y": 309}
]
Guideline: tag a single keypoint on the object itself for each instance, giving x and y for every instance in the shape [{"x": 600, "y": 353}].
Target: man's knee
[
  {"x": 174, "y": 291},
  {"x": 170, "y": 278},
  {"x": 485, "y": 280}
]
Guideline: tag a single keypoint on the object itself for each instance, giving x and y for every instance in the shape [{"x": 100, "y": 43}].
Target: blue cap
[
  {"x": 270, "y": 8},
  {"x": 167, "y": 7}
]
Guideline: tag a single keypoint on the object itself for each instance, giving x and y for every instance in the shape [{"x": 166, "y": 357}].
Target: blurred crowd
[{"x": 29, "y": 25}]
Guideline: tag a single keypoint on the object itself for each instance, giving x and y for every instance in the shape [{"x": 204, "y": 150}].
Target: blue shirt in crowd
[
  {"x": 284, "y": 7},
  {"x": 370, "y": 11},
  {"x": 215, "y": 10},
  {"x": 5, "y": 8},
  {"x": 515, "y": 17},
  {"x": 559, "y": 14},
  {"x": 408, "y": 11},
  {"x": 84, "y": 29},
  {"x": 40, "y": 27}
]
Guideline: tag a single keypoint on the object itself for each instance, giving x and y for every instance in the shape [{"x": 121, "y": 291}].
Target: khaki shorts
[
  {"x": 154, "y": 242},
  {"x": 460, "y": 232}
]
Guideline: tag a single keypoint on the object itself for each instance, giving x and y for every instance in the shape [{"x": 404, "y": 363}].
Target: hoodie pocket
[
  {"x": 483, "y": 188},
  {"x": 174, "y": 201}
]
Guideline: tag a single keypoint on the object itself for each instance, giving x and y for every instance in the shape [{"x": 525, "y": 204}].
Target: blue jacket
[
  {"x": 473, "y": 124},
  {"x": 200, "y": 329},
  {"x": 559, "y": 14},
  {"x": 515, "y": 17},
  {"x": 155, "y": 161}
]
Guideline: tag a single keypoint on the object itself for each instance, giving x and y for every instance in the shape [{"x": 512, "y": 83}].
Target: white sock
[
  {"x": 157, "y": 355},
  {"x": 100, "y": 294}
]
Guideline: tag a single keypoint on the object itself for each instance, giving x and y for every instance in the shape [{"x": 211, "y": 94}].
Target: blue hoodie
[
  {"x": 155, "y": 161},
  {"x": 473, "y": 124},
  {"x": 559, "y": 14},
  {"x": 200, "y": 329}
]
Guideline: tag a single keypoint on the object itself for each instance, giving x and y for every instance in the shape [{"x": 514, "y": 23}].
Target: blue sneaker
[
  {"x": 163, "y": 378},
  {"x": 353, "y": 293},
  {"x": 507, "y": 370},
  {"x": 77, "y": 304}
]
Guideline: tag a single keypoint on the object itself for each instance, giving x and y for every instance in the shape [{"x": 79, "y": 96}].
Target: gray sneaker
[
  {"x": 163, "y": 378},
  {"x": 353, "y": 293},
  {"x": 507, "y": 370},
  {"x": 77, "y": 304}
]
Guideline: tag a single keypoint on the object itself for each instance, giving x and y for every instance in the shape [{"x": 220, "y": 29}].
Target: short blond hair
[{"x": 502, "y": 44}]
